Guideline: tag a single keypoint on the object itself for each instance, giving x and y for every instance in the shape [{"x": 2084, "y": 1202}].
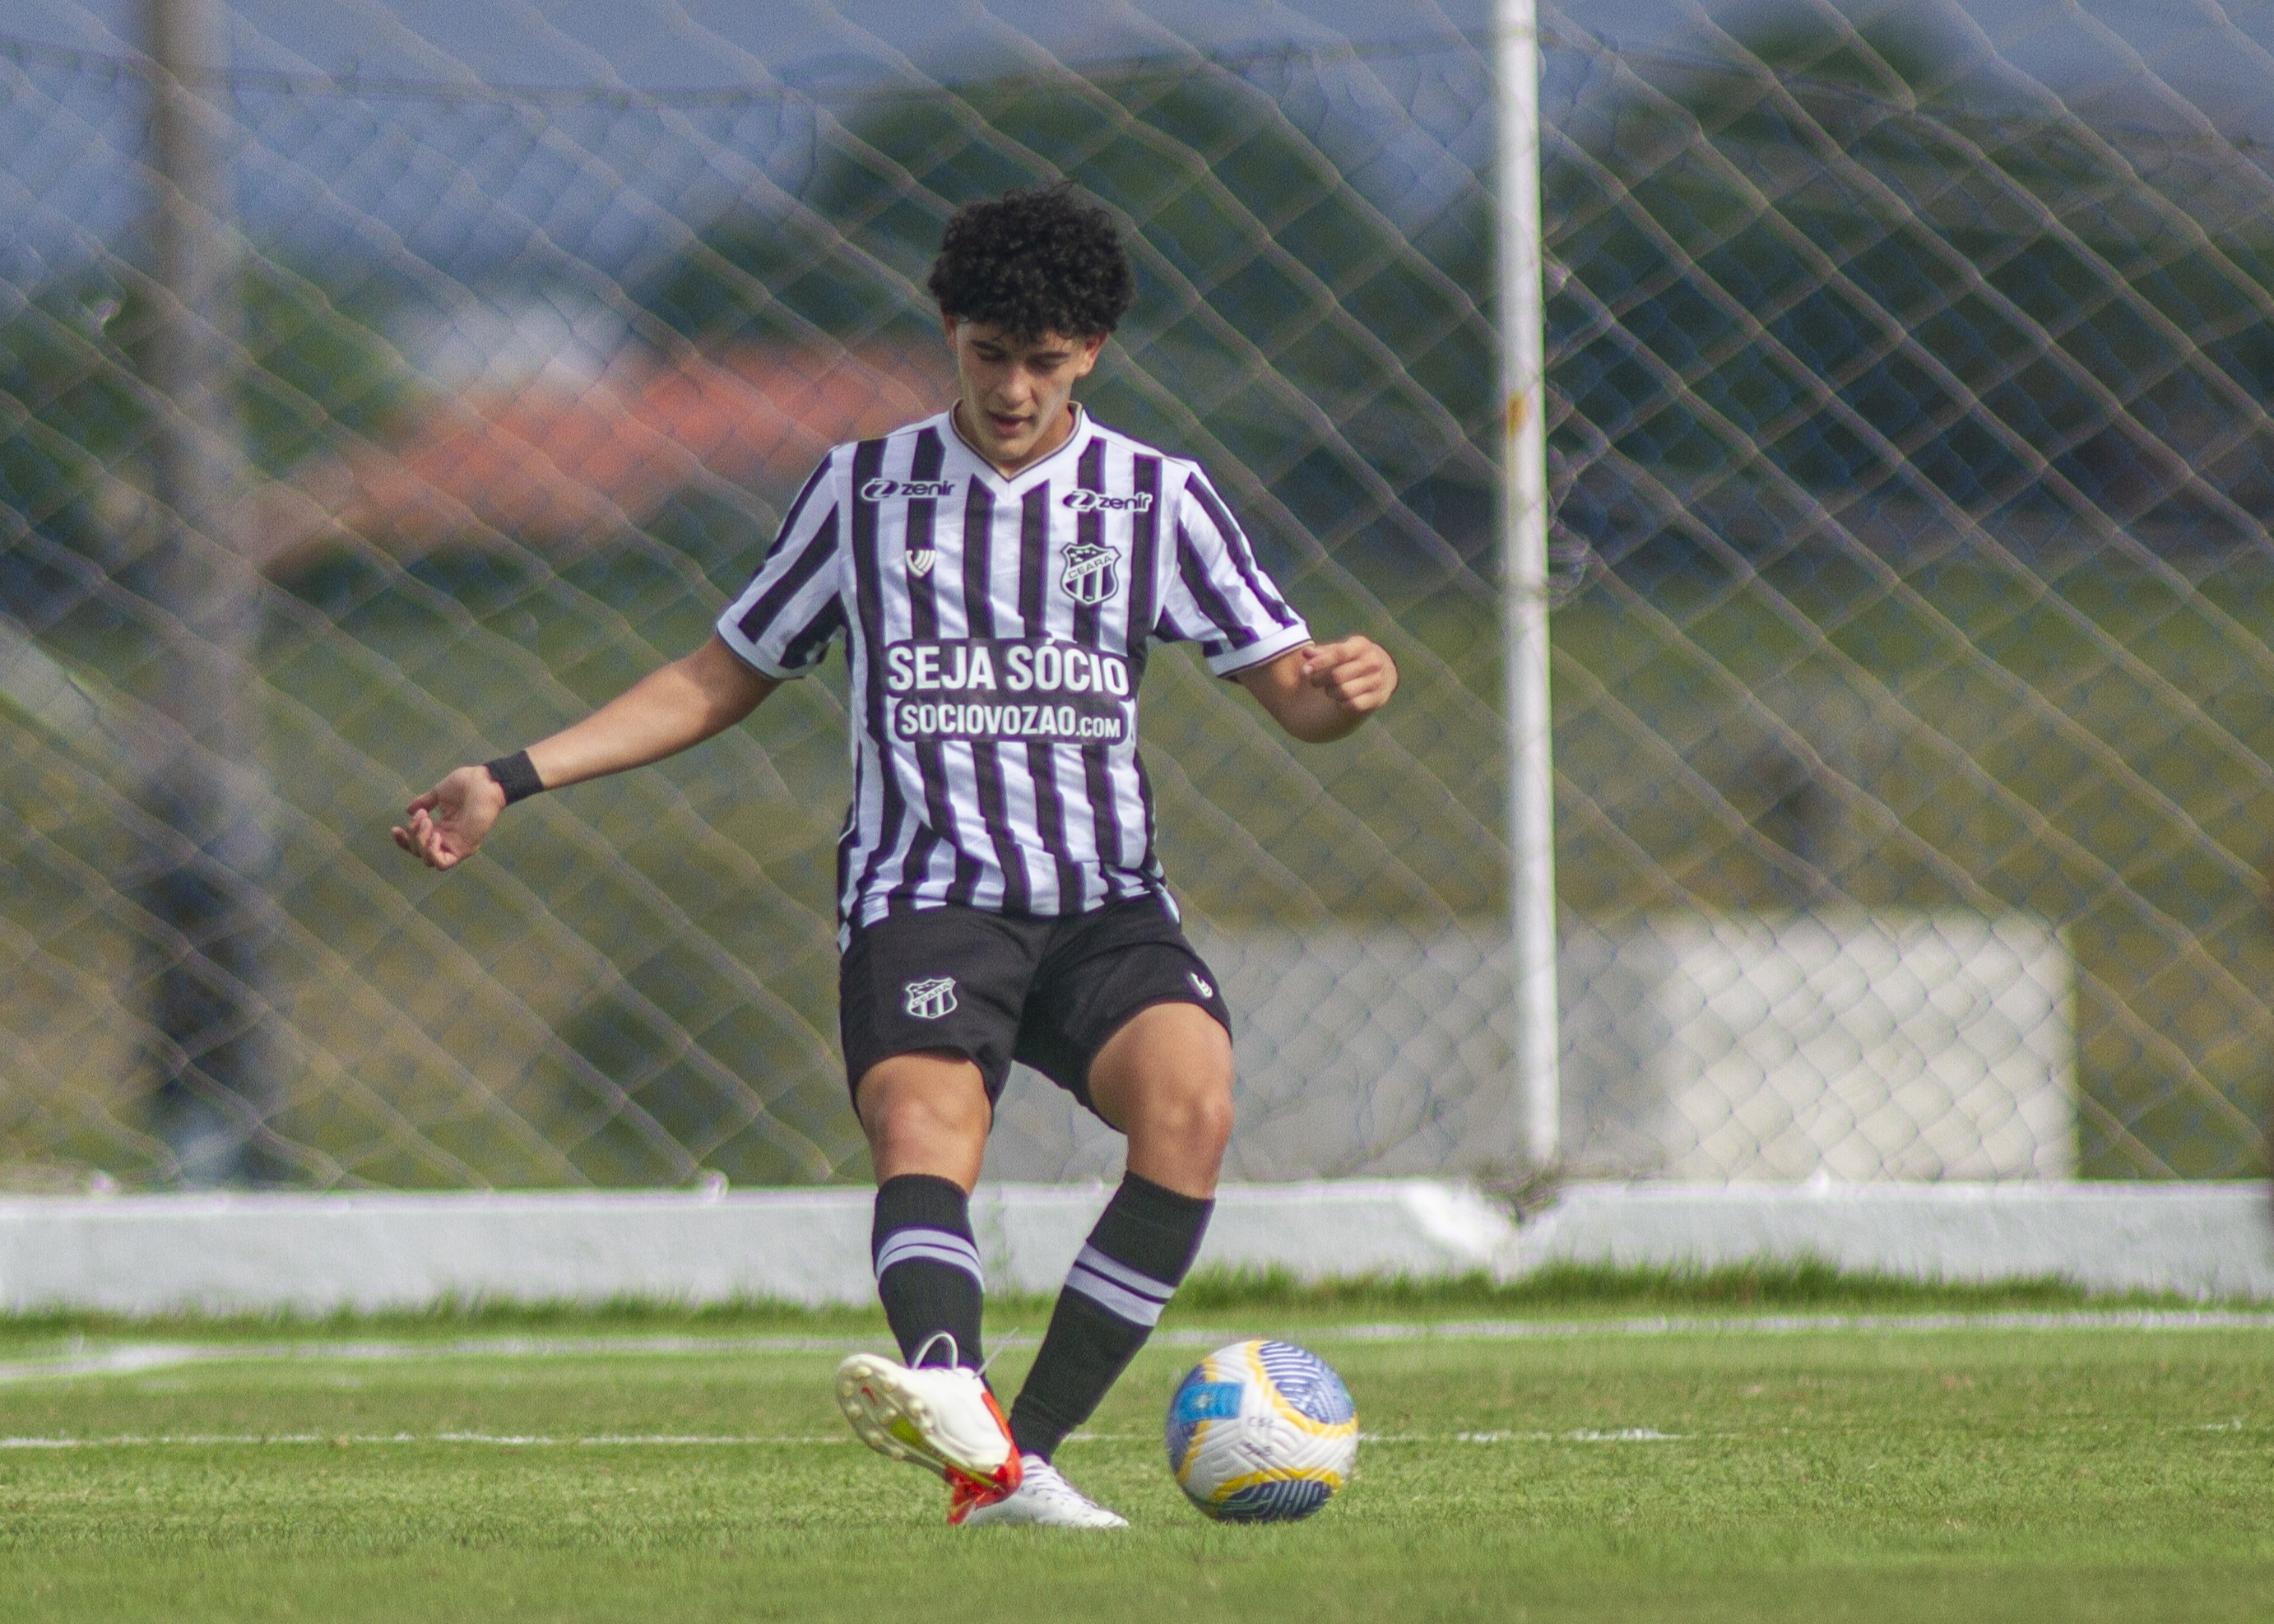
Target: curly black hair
[{"x": 1034, "y": 262}]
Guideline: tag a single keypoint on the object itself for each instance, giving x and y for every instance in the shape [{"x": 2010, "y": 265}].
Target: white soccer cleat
[
  {"x": 1044, "y": 1499},
  {"x": 940, "y": 1417}
]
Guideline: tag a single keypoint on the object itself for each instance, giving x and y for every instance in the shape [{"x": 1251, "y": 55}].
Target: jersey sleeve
[
  {"x": 1218, "y": 595},
  {"x": 781, "y": 623}
]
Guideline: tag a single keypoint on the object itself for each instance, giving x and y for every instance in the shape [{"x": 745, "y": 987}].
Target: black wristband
[{"x": 516, "y": 776}]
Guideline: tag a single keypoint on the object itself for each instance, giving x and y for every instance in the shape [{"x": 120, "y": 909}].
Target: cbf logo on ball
[
  {"x": 1090, "y": 576},
  {"x": 929, "y": 1000}
]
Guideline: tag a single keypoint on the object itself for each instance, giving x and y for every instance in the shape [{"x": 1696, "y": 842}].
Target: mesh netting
[
  {"x": 1914, "y": 415},
  {"x": 1909, "y": 463}
]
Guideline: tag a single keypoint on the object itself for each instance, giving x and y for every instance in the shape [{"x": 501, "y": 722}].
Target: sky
[
  {"x": 690, "y": 43},
  {"x": 2223, "y": 55},
  {"x": 2220, "y": 58},
  {"x": 1430, "y": 100},
  {"x": 2201, "y": 62},
  {"x": 1403, "y": 77}
]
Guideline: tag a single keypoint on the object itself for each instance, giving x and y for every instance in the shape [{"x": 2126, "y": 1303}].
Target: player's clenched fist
[
  {"x": 448, "y": 821},
  {"x": 1356, "y": 673},
  {"x": 1324, "y": 691}
]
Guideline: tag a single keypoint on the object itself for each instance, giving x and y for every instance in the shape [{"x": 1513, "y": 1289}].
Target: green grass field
[{"x": 1859, "y": 1457}]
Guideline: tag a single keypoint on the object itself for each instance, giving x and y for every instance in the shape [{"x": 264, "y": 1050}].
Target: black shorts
[{"x": 995, "y": 988}]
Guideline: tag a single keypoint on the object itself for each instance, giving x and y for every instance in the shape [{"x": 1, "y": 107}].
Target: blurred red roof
[{"x": 556, "y": 465}]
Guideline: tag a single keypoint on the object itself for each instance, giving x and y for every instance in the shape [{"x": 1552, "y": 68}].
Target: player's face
[{"x": 1017, "y": 392}]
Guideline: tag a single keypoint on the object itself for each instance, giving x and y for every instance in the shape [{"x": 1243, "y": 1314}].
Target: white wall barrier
[
  {"x": 1848, "y": 1043},
  {"x": 143, "y": 1254},
  {"x": 1857, "y": 1045}
]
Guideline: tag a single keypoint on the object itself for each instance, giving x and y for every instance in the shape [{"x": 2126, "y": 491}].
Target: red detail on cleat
[
  {"x": 966, "y": 1491},
  {"x": 964, "y": 1496}
]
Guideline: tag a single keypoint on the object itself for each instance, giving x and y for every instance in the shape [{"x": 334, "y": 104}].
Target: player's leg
[
  {"x": 928, "y": 1050},
  {"x": 926, "y": 1116},
  {"x": 1163, "y": 1078},
  {"x": 928, "y": 1007}
]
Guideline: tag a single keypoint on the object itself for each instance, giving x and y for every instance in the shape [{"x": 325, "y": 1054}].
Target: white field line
[
  {"x": 120, "y": 1361},
  {"x": 1793, "y": 1325},
  {"x": 130, "y": 1358},
  {"x": 761, "y": 1440},
  {"x": 502, "y": 1440},
  {"x": 622, "y": 1440}
]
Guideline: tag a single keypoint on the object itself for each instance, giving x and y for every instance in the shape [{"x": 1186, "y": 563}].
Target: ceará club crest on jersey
[{"x": 1091, "y": 572}]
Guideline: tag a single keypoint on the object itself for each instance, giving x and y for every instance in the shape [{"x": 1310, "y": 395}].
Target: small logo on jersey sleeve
[
  {"x": 929, "y": 1000},
  {"x": 1091, "y": 576},
  {"x": 1200, "y": 986}
]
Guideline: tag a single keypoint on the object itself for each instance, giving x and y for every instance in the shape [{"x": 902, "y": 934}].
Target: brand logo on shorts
[
  {"x": 878, "y": 490},
  {"x": 1200, "y": 986},
  {"x": 920, "y": 562},
  {"x": 929, "y": 1000},
  {"x": 1090, "y": 577}
]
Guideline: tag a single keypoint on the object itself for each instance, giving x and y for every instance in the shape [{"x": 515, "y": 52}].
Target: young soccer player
[{"x": 999, "y": 573}]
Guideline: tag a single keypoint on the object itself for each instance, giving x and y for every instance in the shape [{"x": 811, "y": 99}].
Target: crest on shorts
[
  {"x": 929, "y": 1000},
  {"x": 1090, "y": 576}
]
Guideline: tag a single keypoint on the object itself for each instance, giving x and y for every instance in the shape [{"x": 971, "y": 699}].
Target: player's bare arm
[
  {"x": 665, "y": 711},
  {"x": 1323, "y": 691}
]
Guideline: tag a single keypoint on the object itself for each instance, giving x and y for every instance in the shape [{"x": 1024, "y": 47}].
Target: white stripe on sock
[
  {"x": 1122, "y": 1274},
  {"x": 933, "y": 1246},
  {"x": 925, "y": 1251},
  {"x": 1122, "y": 1305}
]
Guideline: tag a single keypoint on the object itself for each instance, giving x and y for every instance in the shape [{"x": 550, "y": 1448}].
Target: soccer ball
[{"x": 1261, "y": 1433}]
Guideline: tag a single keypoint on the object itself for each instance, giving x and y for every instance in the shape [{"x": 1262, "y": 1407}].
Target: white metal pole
[{"x": 1523, "y": 526}]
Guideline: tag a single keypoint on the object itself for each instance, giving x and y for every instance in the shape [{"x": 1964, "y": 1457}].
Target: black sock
[
  {"x": 928, "y": 1268},
  {"x": 1113, "y": 1297}
]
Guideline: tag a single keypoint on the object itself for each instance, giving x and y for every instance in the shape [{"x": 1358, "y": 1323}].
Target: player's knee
[
  {"x": 1196, "y": 1112},
  {"x": 918, "y": 1099},
  {"x": 938, "y": 1120},
  {"x": 1213, "y": 1123}
]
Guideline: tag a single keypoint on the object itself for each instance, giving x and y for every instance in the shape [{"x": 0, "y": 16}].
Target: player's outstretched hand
[
  {"x": 446, "y": 824},
  {"x": 1356, "y": 673}
]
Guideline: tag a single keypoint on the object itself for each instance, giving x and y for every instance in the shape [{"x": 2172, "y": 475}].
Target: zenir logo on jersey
[
  {"x": 1090, "y": 576},
  {"x": 1098, "y": 501},
  {"x": 929, "y": 1000},
  {"x": 878, "y": 490}
]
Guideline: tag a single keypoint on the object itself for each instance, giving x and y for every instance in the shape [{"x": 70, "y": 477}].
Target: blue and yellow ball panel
[
  {"x": 1307, "y": 1382},
  {"x": 1198, "y": 1399},
  {"x": 1260, "y": 1432},
  {"x": 1289, "y": 1499}
]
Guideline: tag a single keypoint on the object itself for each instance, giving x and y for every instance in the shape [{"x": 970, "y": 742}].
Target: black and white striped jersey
[{"x": 997, "y": 630}]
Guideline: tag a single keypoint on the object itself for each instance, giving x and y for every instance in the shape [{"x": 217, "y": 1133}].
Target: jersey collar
[{"x": 1034, "y": 472}]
